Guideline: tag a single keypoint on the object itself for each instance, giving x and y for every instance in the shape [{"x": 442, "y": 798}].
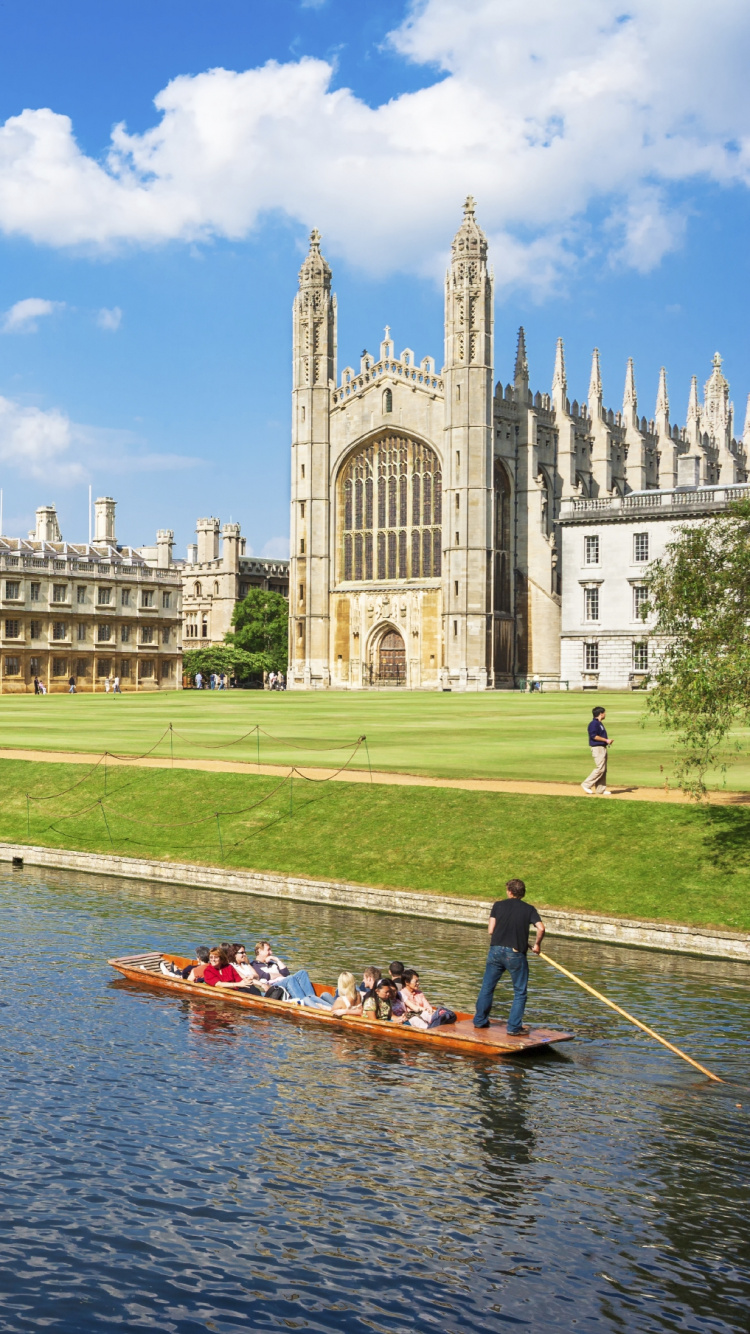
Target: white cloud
[
  {"x": 44, "y": 443},
  {"x": 277, "y": 548},
  {"x": 109, "y": 319},
  {"x": 23, "y": 316},
  {"x": 546, "y": 112}
]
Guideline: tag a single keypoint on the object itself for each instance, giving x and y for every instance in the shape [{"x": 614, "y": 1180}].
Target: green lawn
[
  {"x": 495, "y": 735},
  {"x": 674, "y": 863}
]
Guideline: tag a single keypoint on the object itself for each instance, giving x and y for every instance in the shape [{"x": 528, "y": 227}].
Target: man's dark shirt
[
  {"x": 596, "y": 728},
  {"x": 513, "y": 918}
]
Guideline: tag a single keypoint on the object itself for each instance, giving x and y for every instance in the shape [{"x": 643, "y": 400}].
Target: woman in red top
[{"x": 221, "y": 973}]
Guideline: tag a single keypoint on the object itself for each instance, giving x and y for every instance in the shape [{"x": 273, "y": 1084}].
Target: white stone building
[
  {"x": 607, "y": 546},
  {"x": 426, "y": 504},
  {"x": 91, "y": 611},
  {"x": 216, "y": 576}
]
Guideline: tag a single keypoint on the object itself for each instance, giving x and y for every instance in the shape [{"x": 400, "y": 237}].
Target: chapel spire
[
  {"x": 315, "y": 271},
  {"x": 662, "y": 397},
  {"x": 630, "y": 397},
  {"x": 521, "y": 372},
  {"x": 595, "y": 386},
  {"x": 559, "y": 378}
]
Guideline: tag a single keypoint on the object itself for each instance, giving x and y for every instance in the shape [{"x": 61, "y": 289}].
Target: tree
[
  {"x": 223, "y": 658},
  {"x": 700, "y": 594},
  {"x": 261, "y": 624}
]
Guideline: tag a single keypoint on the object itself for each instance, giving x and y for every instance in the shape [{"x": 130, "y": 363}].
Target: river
[{"x": 174, "y": 1164}]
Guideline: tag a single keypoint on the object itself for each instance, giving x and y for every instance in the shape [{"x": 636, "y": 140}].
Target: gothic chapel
[{"x": 424, "y": 505}]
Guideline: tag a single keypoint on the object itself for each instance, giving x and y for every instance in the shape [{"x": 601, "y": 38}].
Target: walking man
[
  {"x": 71, "y": 685},
  {"x": 508, "y": 930},
  {"x": 599, "y": 743}
]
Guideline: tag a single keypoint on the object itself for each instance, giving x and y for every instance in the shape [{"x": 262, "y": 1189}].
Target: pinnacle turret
[
  {"x": 662, "y": 398},
  {"x": 470, "y": 241},
  {"x": 693, "y": 411},
  {"x": 630, "y": 398},
  {"x": 559, "y": 378},
  {"x": 522, "y": 366},
  {"x": 595, "y": 384},
  {"x": 315, "y": 269}
]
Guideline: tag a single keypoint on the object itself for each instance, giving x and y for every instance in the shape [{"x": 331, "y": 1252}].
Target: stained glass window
[{"x": 390, "y": 508}]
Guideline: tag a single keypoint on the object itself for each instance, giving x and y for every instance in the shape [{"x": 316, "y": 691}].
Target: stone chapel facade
[{"x": 425, "y": 504}]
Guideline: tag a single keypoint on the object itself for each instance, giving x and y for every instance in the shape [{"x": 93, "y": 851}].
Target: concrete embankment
[{"x": 667, "y": 937}]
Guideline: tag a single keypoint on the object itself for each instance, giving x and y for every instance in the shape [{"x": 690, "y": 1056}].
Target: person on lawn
[
  {"x": 508, "y": 929},
  {"x": 599, "y": 743}
]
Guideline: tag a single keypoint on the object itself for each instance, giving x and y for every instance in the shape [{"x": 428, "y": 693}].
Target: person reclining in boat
[
  {"x": 369, "y": 977},
  {"x": 222, "y": 974},
  {"x": 348, "y": 1000},
  {"x": 277, "y": 983},
  {"x": 417, "y": 1009},
  {"x": 268, "y": 969},
  {"x": 378, "y": 1003}
]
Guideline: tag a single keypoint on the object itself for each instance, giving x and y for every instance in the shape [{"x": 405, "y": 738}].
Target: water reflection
[{"x": 195, "y": 1166}]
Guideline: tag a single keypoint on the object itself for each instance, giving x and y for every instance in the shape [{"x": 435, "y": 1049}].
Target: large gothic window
[{"x": 390, "y": 497}]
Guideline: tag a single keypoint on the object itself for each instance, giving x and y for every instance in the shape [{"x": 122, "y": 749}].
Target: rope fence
[{"x": 109, "y": 802}]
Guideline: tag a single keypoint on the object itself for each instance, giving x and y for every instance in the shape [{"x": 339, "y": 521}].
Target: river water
[{"x": 172, "y": 1163}]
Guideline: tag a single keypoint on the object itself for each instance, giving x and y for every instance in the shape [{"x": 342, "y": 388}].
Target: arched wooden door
[{"x": 392, "y": 659}]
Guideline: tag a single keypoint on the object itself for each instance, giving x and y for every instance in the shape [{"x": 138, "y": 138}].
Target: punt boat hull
[{"x": 461, "y": 1036}]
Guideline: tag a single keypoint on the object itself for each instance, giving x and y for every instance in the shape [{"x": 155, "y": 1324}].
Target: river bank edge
[{"x": 665, "y": 937}]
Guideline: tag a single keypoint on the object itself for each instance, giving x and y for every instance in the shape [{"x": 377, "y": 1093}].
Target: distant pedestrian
[
  {"x": 599, "y": 743},
  {"x": 107, "y": 684},
  {"x": 71, "y": 685},
  {"x": 198, "y": 681},
  {"x": 116, "y": 686},
  {"x": 508, "y": 929},
  {"x": 271, "y": 680},
  {"x": 42, "y": 688},
  {"x": 280, "y": 681},
  {"x": 223, "y": 681},
  {"x": 36, "y": 685}
]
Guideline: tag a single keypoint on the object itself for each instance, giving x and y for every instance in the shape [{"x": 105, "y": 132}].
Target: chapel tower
[
  {"x": 468, "y": 456},
  {"x": 314, "y": 372}
]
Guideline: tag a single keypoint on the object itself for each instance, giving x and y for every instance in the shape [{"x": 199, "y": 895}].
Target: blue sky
[{"x": 147, "y": 272}]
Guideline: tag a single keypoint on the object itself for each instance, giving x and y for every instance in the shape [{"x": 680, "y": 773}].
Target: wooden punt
[{"x": 461, "y": 1036}]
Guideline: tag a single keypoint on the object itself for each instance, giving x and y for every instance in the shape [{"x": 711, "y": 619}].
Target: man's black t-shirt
[{"x": 513, "y": 918}]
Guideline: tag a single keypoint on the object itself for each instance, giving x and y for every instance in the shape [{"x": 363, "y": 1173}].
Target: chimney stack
[
  {"x": 164, "y": 544},
  {"x": 47, "y": 527},
  {"x": 104, "y": 520}
]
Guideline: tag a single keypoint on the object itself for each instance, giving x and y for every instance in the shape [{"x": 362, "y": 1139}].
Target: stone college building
[{"x": 431, "y": 509}]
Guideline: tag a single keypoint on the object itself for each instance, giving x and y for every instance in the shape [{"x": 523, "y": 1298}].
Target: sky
[{"x": 163, "y": 161}]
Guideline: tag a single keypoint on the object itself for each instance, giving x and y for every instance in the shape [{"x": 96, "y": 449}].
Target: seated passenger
[
  {"x": 396, "y": 971},
  {"x": 221, "y": 973},
  {"x": 239, "y": 960},
  {"x": 348, "y": 999},
  {"x": 417, "y": 1010},
  {"x": 369, "y": 977},
  {"x": 267, "y": 968},
  {"x": 194, "y": 972},
  {"x": 276, "y": 982},
  {"x": 378, "y": 1003}
]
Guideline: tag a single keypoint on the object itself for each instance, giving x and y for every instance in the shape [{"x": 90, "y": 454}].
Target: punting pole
[{"x": 625, "y": 1015}]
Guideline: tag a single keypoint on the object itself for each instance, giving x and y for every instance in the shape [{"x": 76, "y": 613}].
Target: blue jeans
[
  {"x": 499, "y": 958},
  {"x": 299, "y": 987}
]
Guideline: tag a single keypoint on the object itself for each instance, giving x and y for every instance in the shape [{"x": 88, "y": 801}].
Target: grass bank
[{"x": 678, "y": 864}]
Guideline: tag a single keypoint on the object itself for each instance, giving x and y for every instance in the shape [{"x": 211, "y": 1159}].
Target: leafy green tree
[
  {"x": 700, "y": 594},
  {"x": 261, "y": 628},
  {"x": 223, "y": 658}
]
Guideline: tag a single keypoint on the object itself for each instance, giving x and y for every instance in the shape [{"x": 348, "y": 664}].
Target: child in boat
[
  {"x": 378, "y": 1003},
  {"x": 417, "y": 1009},
  {"x": 369, "y": 977},
  {"x": 348, "y": 999}
]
